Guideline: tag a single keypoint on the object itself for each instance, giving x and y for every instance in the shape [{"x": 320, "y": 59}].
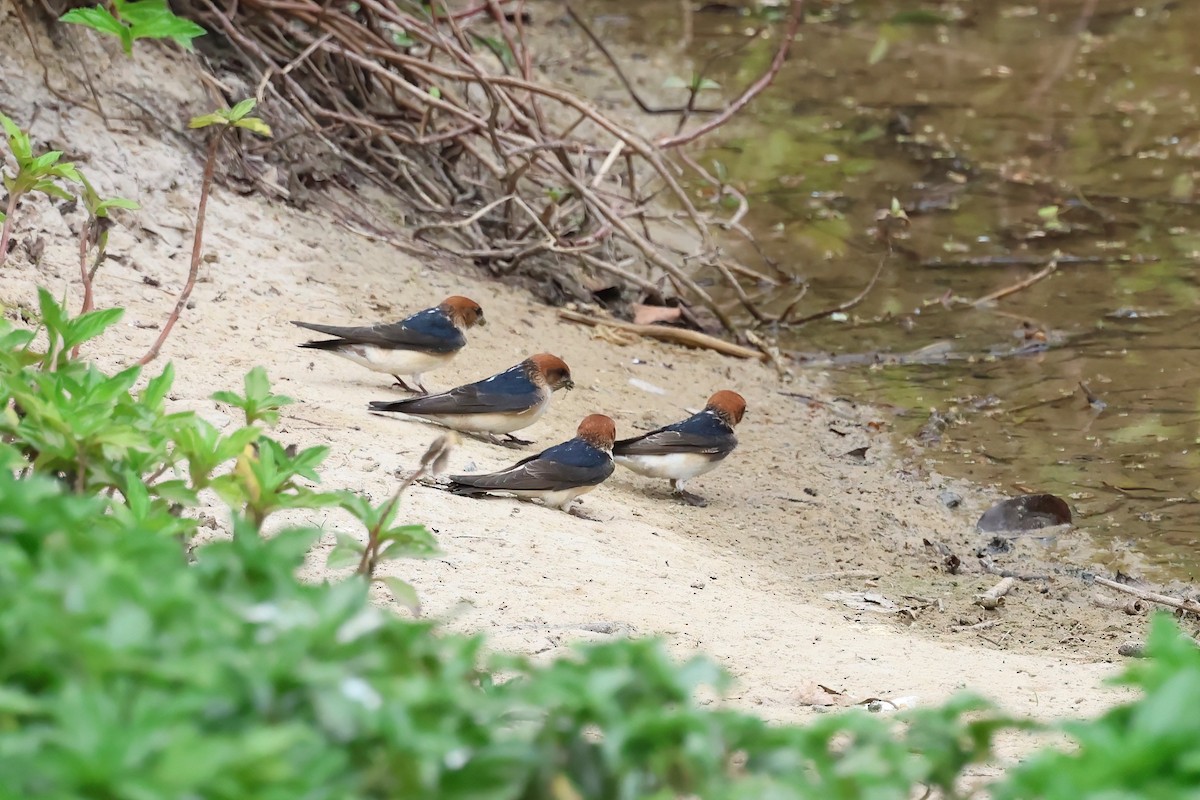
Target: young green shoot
[
  {"x": 386, "y": 541},
  {"x": 221, "y": 120},
  {"x": 94, "y": 236},
  {"x": 40, "y": 173}
]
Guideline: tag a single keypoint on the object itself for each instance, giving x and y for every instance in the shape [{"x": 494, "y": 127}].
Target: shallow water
[{"x": 1011, "y": 134}]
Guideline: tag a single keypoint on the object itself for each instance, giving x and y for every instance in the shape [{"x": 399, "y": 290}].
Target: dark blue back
[
  {"x": 574, "y": 453},
  {"x": 434, "y": 330},
  {"x": 513, "y": 381},
  {"x": 706, "y": 423}
]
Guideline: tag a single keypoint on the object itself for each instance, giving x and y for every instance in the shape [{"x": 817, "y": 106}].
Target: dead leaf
[
  {"x": 814, "y": 694},
  {"x": 648, "y": 315},
  {"x": 864, "y": 601}
]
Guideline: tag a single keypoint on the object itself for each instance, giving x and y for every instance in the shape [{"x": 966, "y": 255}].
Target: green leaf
[
  {"x": 879, "y": 51},
  {"x": 90, "y": 325},
  {"x": 403, "y": 593},
  {"x": 52, "y": 189},
  {"x": 176, "y": 491},
  {"x": 241, "y": 109},
  {"x": 18, "y": 140},
  {"x": 157, "y": 388},
  {"x": 44, "y": 161},
  {"x": 18, "y": 703},
  {"x": 101, "y": 209},
  {"x": 346, "y": 553},
  {"x": 98, "y": 19},
  {"x": 206, "y": 120},
  {"x": 254, "y": 125},
  {"x": 53, "y": 316},
  {"x": 675, "y": 82},
  {"x": 707, "y": 83}
]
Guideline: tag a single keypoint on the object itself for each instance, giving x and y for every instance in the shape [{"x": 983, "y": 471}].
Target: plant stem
[
  {"x": 7, "y": 230},
  {"x": 370, "y": 556},
  {"x": 433, "y": 461},
  {"x": 210, "y": 168},
  {"x": 85, "y": 236}
]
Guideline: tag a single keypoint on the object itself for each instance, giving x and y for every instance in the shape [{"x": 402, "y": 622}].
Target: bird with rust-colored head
[
  {"x": 501, "y": 404},
  {"x": 555, "y": 476},
  {"x": 415, "y": 345},
  {"x": 686, "y": 449}
]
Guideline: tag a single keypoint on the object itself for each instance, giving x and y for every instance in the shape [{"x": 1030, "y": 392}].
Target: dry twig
[
  {"x": 668, "y": 334},
  {"x": 994, "y": 597},
  {"x": 1179, "y": 603},
  {"x": 506, "y": 169}
]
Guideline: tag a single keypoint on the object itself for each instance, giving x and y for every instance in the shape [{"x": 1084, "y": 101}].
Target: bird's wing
[
  {"x": 509, "y": 392},
  {"x": 428, "y": 330},
  {"x": 701, "y": 433},
  {"x": 665, "y": 442},
  {"x": 547, "y": 471}
]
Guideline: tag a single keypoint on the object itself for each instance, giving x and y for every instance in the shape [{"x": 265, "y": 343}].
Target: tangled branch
[{"x": 503, "y": 168}]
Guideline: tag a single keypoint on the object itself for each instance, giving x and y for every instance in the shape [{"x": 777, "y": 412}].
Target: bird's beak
[
  {"x": 482, "y": 320},
  {"x": 570, "y": 384}
]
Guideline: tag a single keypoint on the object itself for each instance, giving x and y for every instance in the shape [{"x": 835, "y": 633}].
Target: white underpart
[
  {"x": 561, "y": 498},
  {"x": 679, "y": 467},
  {"x": 491, "y": 423},
  {"x": 394, "y": 362}
]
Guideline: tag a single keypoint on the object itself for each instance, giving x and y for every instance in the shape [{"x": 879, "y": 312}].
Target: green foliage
[
  {"x": 125, "y": 672},
  {"x": 258, "y": 404},
  {"x": 1150, "y": 748},
  {"x": 137, "y": 19},
  {"x": 96, "y": 433},
  {"x": 39, "y": 173}
]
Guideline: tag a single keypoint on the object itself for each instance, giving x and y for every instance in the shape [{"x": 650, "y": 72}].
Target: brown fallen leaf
[
  {"x": 814, "y": 694},
  {"x": 648, "y": 315}
]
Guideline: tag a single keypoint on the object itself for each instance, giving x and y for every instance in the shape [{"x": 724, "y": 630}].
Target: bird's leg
[
  {"x": 686, "y": 496},
  {"x": 404, "y": 386},
  {"x": 420, "y": 386}
]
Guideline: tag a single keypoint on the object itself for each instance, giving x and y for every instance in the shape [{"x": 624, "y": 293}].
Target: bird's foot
[
  {"x": 492, "y": 438},
  {"x": 576, "y": 511},
  {"x": 520, "y": 442},
  {"x": 691, "y": 499}
]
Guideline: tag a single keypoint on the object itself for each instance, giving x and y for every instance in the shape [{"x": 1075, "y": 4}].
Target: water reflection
[{"x": 1011, "y": 133}]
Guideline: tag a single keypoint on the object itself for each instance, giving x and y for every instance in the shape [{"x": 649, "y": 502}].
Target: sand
[{"x": 745, "y": 580}]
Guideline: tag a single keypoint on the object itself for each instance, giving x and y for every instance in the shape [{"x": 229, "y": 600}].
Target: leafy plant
[
  {"x": 258, "y": 404},
  {"x": 385, "y": 540},
  {"x": 136, "y": 19},
  {"x": 40, "y": 173},
  {"x": 94, "y": 432},
  {"x": 1149, "y": 748},
  {"x": 125, "y": 672},
  {"x": 222, "y": 120}
]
